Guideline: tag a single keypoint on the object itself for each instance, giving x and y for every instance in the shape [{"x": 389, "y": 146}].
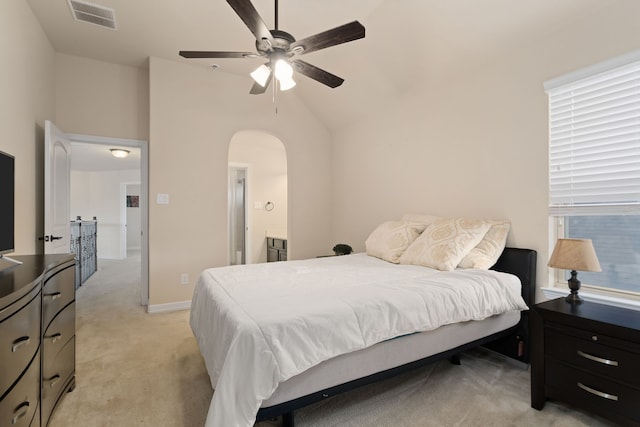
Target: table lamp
[{"x": 575, "y": 255}]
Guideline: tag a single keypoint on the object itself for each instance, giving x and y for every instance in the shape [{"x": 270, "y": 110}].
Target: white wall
[
  {"x": 267, "y": 159},
  {"x": 27, "y": 99},
  {"x": 102, "y": 99},
  {"x": 193, "y": 117},
  {"x": 99, "y": 194},
  {"x": 472, "y": 140}
]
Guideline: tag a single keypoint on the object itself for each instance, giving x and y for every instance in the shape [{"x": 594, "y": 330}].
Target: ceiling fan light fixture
[
  {"x": 261, "y": 75},
  {"x": 284, "y": 73},
  {"x": 283, "y": 70},
  {"x": 120, "y": 153},
  {"x": 286, "y": 83}
]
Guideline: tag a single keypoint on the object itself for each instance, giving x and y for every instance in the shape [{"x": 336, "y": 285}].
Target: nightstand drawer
[
  {"x": 592, "y": 391},
  {"x": 592, "y": 354}
]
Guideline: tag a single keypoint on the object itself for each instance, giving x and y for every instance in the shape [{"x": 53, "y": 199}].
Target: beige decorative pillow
[
  {"x": 390, "y": 239},
  {"x": 445, "y": 242},
  {"x": 487, "y": 252}
]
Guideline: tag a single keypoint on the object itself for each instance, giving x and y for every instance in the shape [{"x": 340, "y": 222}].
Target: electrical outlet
[{"x": 184, "y": 278}]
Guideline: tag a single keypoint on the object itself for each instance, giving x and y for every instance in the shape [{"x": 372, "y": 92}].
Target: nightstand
[{"x": 587, "y": 355}]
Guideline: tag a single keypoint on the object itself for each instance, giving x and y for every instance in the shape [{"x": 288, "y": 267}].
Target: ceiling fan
[{"x": 281, "y": 49}]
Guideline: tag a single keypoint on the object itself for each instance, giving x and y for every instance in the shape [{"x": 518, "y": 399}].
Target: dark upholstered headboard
[{"x": 522, "y": 263}]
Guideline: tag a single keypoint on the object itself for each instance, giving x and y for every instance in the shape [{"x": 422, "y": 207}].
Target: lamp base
[
  {"x": 573, "y": 298},
  {"x": 574, "y": 285}
]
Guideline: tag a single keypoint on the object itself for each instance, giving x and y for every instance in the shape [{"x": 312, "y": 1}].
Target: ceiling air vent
[{"x": 93, "y": 13}]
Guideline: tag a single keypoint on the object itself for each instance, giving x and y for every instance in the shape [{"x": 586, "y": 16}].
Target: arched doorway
[{"x": 257, "y": 195}]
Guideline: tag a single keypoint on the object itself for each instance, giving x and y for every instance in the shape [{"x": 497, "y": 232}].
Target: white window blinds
[{"x": 594, "y": 142}]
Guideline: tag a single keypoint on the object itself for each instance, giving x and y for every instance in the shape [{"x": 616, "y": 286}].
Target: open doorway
[
  {"x": 258, "y": 195},
  {"x": 239, "y": 230},
  {"x": 108, "y": 188}
]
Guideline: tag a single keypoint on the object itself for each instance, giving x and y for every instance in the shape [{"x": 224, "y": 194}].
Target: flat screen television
[{"x": 7, "y": 203}]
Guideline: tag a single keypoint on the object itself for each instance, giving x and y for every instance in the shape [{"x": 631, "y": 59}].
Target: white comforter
[{"x": 260, "y": 324}]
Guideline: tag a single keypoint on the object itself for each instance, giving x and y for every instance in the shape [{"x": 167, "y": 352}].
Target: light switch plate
[{"x": 163, "y": 199}]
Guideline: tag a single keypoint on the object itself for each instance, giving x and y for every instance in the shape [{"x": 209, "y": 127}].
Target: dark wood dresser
[
  {"x": 37, "y": 344},
  {"x": 587, "y": 355}
]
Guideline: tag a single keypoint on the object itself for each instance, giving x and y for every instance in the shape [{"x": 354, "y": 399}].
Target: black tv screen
[{"x": 7, "y": 202}]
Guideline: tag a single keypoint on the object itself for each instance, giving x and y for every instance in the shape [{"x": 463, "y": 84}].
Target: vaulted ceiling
[{"x": 406, "y": 42}]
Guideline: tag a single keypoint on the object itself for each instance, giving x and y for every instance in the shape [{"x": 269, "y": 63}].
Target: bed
[{"x": 270, "y": 346}]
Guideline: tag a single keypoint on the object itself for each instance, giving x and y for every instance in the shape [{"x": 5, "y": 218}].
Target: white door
[{"x": 57, "y": 170}]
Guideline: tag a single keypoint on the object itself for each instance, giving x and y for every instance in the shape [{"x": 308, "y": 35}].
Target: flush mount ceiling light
[{"x": 120, "y": 153}]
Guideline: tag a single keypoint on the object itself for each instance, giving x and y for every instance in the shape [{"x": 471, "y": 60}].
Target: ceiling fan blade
[
  {"x": 251, "y": 19},
  {"x": 258, "y": 89},
  {"x": 317, "y": 74},
  {"x": 343, "y": 34},
  {"x": 213, "y": 54}
]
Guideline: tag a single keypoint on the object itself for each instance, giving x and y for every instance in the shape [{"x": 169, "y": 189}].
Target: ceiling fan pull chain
[{"x": 275, "y": 95}]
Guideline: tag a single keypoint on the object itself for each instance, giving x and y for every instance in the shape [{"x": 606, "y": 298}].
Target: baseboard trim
[{"x": 171, "y": 306}]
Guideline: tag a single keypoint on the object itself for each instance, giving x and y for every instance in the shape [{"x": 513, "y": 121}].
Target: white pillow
[
  {"x": 487, "y": 252},
  {"x": 445, "y": 242},
  {"x": 390, "y": 239}
]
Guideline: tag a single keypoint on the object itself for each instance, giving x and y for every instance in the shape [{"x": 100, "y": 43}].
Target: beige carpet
[{"x": 138, "y": 369}]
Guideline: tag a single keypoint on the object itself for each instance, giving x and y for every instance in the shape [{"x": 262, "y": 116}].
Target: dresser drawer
[
  {"x": 61, "y": 329},
  {"x": 590, "y": 353},
  {"x": 19, "y": 407},
  {"x": 591, "y": 391},
  {"x": 57, "y": 371},
  {"x": 19, "y": 340},
  {"x": 57, "y": 292},
  {"x": 277, "y": 243}
]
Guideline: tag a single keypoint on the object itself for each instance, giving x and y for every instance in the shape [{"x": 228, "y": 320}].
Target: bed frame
[{"x": 512, "y": 342}]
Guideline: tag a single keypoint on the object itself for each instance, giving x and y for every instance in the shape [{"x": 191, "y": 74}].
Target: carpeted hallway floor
[{"x": 139, "y": 369}]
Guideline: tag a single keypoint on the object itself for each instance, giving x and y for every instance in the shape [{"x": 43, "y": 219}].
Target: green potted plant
[{"x": 342, "y": 249}]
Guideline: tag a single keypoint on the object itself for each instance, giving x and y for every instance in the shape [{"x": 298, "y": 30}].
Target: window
[{"x": 594, "y": 167}]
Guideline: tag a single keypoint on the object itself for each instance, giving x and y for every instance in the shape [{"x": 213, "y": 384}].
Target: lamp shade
[{"x": 574, "y": 254}]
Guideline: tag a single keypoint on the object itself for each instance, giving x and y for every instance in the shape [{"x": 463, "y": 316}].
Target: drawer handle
[
  {"x": 54, "y": 337},
  {"x": 53, "y": 380},
  {"x": 20, "y": 412},
  {"x": 19, "y": 343},
  {"x": 54, "y": 296},
  {"x": 597, "y": 359},
  {"x": 598, "y": 393}
]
